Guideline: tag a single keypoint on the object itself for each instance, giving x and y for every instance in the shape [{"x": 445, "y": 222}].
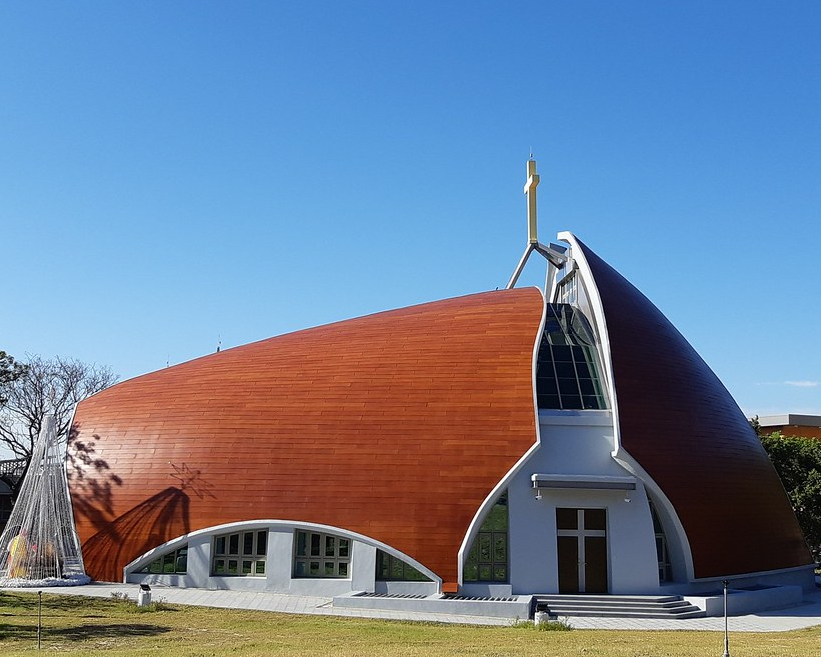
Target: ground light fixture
[{"x": 144, "y": 596}]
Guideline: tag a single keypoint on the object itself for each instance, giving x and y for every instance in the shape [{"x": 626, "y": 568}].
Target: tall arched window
[
  {"x": 567, "y": 371},
  {"x": 487, "y": 560},
  {"x": 662, "y": 553}
]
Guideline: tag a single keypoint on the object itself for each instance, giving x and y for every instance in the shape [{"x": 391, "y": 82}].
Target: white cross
[{"x": 530, "y": 190}]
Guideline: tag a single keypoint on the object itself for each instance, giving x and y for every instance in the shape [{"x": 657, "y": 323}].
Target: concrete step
[
  {"x": 694, "y": 613},
  {"x": 667, "y": 607},
  {"x": 615, "y": 599},
  {"x": 625, "y": 606}
]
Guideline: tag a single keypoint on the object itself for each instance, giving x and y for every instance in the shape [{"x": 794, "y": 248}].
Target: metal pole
[
  {"x": 726, "y": 634},
  {"x": 512, "y": 282},
  {"x": 39, "y": 616}
]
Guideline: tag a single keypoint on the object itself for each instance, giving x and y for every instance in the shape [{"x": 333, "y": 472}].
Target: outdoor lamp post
[
  {"x": 39, "y": 617},
  {"x": 726, "y": 634}
]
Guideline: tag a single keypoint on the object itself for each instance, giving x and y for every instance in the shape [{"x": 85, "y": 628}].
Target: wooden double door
[{"x": 581, "y": 538}]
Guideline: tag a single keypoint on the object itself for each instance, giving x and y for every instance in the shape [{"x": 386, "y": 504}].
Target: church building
[{"x": 511, "y": 442}]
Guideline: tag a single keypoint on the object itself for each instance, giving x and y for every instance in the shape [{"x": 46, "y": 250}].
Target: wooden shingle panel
[
  {"x": 684, "y": 428},
  {"x": 395, "y": 425}
]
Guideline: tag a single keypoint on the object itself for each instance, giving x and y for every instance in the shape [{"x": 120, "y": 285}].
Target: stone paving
[{"x": 791, "y": 618}]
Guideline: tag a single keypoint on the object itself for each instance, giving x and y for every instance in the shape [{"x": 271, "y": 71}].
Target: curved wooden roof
[
  {"x": 685, "y": 429},
  {"x": 369, "y": 424}
]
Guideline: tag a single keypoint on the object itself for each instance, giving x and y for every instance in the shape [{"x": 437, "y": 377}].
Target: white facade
[{"x": 576, "y": 446}]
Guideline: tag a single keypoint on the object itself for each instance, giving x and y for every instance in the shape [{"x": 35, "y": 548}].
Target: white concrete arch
[{"x": 279, "y": 576}]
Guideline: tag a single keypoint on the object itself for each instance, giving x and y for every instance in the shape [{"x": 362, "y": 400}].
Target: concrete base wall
[
  {"x": 743, "y": 601},
  {"x": 406, "y": 588},
  {"x": 801, "y": 577},
  {"x": 512, "y": 609}
]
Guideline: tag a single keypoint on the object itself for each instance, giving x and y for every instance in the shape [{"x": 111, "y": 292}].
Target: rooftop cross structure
[
  {"x": 552, "y": 253},
  {"x": 530, "y": 192}
]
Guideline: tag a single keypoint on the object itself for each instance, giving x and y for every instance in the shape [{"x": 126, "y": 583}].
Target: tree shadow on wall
[
  {"x": 90, "y": 479},
  {"x": 192, "y": 481},
  {"x": 155, "y": 521},
  {"x": 121, "y": 539}
]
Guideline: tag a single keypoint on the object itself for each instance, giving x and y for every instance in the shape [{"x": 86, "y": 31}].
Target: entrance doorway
[{"x": 581, "y": 539}]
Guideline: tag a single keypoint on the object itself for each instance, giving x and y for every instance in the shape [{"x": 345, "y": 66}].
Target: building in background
[{"x": 792, "y": 424}]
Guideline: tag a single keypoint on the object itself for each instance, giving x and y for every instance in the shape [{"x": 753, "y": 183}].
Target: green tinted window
[
  {"x": 393, "y": 569},
  {"x": 487, "y": 560},
  {"x": 170, "y": 563}
]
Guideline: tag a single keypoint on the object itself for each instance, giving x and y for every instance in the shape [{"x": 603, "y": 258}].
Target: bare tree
[{"x": 43, "y": 387}]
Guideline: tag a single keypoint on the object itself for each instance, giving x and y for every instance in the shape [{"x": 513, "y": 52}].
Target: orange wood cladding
[
  {"x": 395, "y": 425},
  {"x": 684, "y": 428}
]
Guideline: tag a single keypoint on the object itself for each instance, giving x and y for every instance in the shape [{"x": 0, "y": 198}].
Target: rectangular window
[
  {"x": 226, "y": 559},
  {"x": 321, "y": 555}
]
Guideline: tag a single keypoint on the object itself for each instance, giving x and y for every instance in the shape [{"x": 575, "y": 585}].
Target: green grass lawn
[{"x": 92, "y": 626}]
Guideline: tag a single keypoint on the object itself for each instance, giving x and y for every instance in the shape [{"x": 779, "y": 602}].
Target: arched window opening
[
  {"x": 662, "y": 553},
  {"x": 393, "y": 569},
  {"x": 174, "y": 562},
  {"x": 567, "y": 371},
  {"x": 487, "y": 560}
]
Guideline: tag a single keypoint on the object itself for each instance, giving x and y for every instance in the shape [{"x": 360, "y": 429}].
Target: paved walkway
[{"x": 791, "y": 618}]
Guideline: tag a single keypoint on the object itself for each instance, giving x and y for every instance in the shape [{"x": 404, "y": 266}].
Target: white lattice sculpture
[{"x": 39, "y": 546}]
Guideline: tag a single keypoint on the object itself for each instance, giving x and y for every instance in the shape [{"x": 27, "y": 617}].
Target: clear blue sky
[{"x": 172, "y": 173}]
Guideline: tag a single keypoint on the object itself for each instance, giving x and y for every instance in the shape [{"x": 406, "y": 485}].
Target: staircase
[{"x": 621, "y": 606}]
